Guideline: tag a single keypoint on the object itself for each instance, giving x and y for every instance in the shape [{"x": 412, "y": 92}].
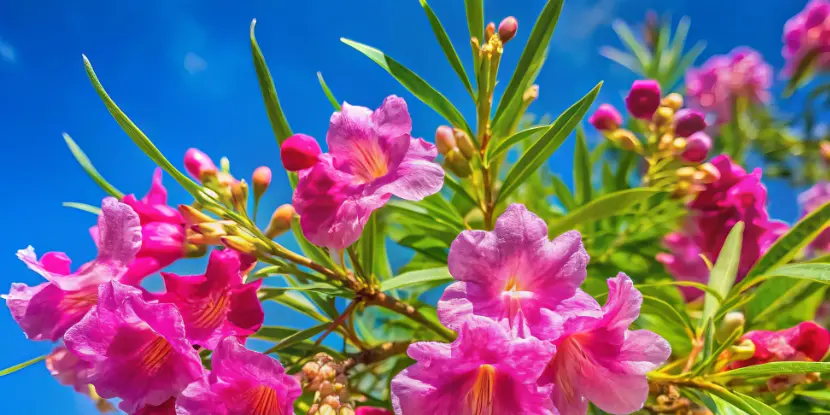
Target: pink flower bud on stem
[
  {"x": 193, "y": 216},
  {"x": 464, "y": 144},
  {"x": 606, "y": 118},
  {"x": 261, "y": 179},
  {"x": 508, "y": 28},
  {"x": 455, "y": 162},
  {"x": 299, "y": 152},
  {"x": 280, "y": 221},
  {"x": 196, "y": 163},
  {"x": 445, "y": 139},
  {"x": 697, "y": 147},
  {"x": 643, "y": 99},
  {"x": 688, "y": 122}
]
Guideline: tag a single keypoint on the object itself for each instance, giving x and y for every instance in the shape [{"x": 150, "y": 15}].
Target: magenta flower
[
  {"x": 216, "y": 304},
  {"x": 716, "y": 85},
  {"x": 598, "y": 359},
  {"x": 684, "y": 263},
  {"x": 688, "y": 122},
  {"x": 811, "y": 200},
  {"x": 808, "y": 32},
  {"x": 643, "y": 99},
  {"x": 137, "y": 349},
  {"x": 514, "y": 275},
  {"x": 162, "y": 232},
  {"x": 806, "y": 341},
  {"x": 484, "y": 371},
  {"x": 606, "y": 118},
  {"x": 299, "y": 152},
  {"x": 46, "y": 311},
  {"x": 197, "y": 162},
  {"x": 372, "y": 157},
  {"x": 243, "y": 382},
  {"x": 68, "y": 370},
  {"x": 697, "y": 147},
  {"x": 368, "y": 410},
  {"x": 166, "y": 408}
]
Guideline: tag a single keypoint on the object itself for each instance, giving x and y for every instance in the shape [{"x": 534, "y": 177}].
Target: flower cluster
[
  {"x": 371, "y": 157},
  {"x": 723, "y": 82},
  {"x": 808, "y": 33},
  {"x": 529, "y": 340},
  {"x": 676, "y": 146},
  {"x": 737, "y": 196}
]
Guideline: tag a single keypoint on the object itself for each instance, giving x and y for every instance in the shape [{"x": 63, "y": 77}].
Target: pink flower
[
  {"x": 243, "y": 382},
  {"x": 688, "y": 122},
  {"x": 807, "y": 32},
  {"x": 684, "y": 263},
  {"x": 811, "y": 200},
  {"x": 372, "y": 157},
  {"x": 216, "y": 304},
  {"x": 46, "y": 311},
  {"x": 598, "y": 359},
  {"x": 196, "y": 162},
  {"x": 697, "y": 148},
  {"x": 606, "y": 118},
  {"x": 68, "y": 369},
  {"x": 137, "y": 349},
  {"x": 806, "y": 341},
  {"x": 368, "y": 410},
  {"x": 162, "y": 232},
  {"x": 484, "y": 371},
  {"x": 514, "y": 275},
  {"x": 723, "y": 79},
  {"x": 299, "y": 152},
  {"x": 643, "y": 99}
]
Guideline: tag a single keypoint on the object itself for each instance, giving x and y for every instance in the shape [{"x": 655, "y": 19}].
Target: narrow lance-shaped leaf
[
  {"x": 83, "y": 160},
  {"x": 723, "y": 274},
  {"x": 299, "y": 337},
  {"x": 560, "y": 189},
  {"x": 447, "y": 47},
  {"x": 417, "y": 86},
  {"x": 775, "y": 369},
  {"x": 503, "y": 146},
  {"x": 547, "y": 144},
  {"x": 432, "y": 277},
  {"x": 269, "y": 93},
  {"x": 603, "y": 207},
  {"x": 731, "y": 399},
  {"x": 19, "y": 366},
  {"x": 475, "y": 23},
  {"x": 327, "y": 91},
  {"x": 632, "y": 44},
  {"x": 84, "y": 207},
  {"x": 582, "y": 169},
  {"x": 760, "y": 407}
]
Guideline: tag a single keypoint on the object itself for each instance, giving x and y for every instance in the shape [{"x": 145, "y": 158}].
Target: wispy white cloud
[
  {"x": 194, "y": 63},
  {"x": 7, "y": 52},
  {"x": 578, "y": 24}
]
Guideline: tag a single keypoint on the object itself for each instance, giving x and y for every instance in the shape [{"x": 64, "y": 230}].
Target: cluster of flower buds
[
  {"x": 327, "y": 379},
  {"x": 676, "y": 144},
  {"x": 457, "y": 148}
]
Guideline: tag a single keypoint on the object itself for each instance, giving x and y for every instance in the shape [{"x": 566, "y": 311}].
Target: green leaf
[
  {"x": 697, "y": 285},
  {"x": 608, "y": 182},
  {"x": 447, "y": 47},
  {"x": 19, "y": 366},
  {"x": 418, "y": 213},
  {"x": 366, "y": 244},
  {"x": 622, "y": 58},
  {"x": 269, "y": 93},
  {"x": 494, "y": 151},
  {"x": 679, "y": 41},
  {"x": 679, "y": 69},
  {"x": 276, "y": 334},
  {"x": 707, "y": 362},
  {"x": 774, "y": 369},
  {"x": 432, "y": 277},
  {"x": 83, "y": 206},
  {"x": 311, "y": 250},
  {"x": 334, "y": 103},
  {"x": 459, "y": 190},
  {"x": 546, "y": 145},
  {"x": 602, "y": 207},
  {"x": 627, "y": 162},
  {"x": 582, "y": 169},
  {"x": 760, "y": 407},
  {"x": 83, "y": 160},
  {"x": 789, "y": 245},
  {"x": 299, "y": 337},
  {"x": 723, "y": 274},
  {"x": 532, "y": 57},
  {"x": 818, "y": 272},
  {"x": 293, "y": 300},
  {"x": 560, "y": 189},
  {"x": 475, "y": 22},
  {"x": 772, "y": 297},
  {"x": 414, "y": 84},
  {"x": 732, "y": 399},
  {"x": 138, "y": 136},
  {"x": 660, "y": 308},
  {"x": 631, "y": 43}
]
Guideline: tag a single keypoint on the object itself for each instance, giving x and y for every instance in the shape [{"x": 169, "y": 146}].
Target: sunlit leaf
[
  {"x": 299, "y": 337},
  {"x": 732, "y": 399},
  {"x": 503, "y": 146},
  {"x": 447, "y": 47},
  {"x": 775, "y": 369},
  {"x": 475, "y": 23},
  {"x": 84, "y": 207},
  {"x": 660, "y": 308},
  {"x": 90, "y": 169},
  {"x": 334, "y": 103},
  {"x": 760, "y": 407},
  {"x": 632, "y": 44},
  {"x": 562, "y": 193},
  {"x": 582, "y": 169},
  {"x": 269, "y": 94},
  {"x": 725, "y": 271},
  {"x": 602, "y": 207},
  {"x": 431, "y": 277},
  {"x": 19, "y": 366}
]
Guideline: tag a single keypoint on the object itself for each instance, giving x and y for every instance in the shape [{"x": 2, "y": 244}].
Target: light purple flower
[
  {"x": 808, "y": 32},
  {"x": 812, "y": 199},
  {"x": 371, "y": 157},
  {"x": 484, "y": 371},
  {"x": 716, "y": 85},
  {"x": 514, "y": 275},
  {"x": 598, "y": 359},
  {"x": 216, "y": 304},
  {"x": 137, "y": 349},
  {"x": 46, "y": 311},
  {"x": 243, "y": 382}
]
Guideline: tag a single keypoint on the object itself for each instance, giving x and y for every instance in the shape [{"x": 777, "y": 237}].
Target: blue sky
[{"x": 182, "y": 70}]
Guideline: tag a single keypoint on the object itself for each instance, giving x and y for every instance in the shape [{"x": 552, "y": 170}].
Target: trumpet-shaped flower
[
  {"x": 243, "y": 382},
  {"x": 371, "y": 158},
  {"x": 806, "y": 341},
  {"x": 514, "y": 275},
  {"x": 68, "y": 369},
  {"x": 46, "y": 311},
  {"x": 598, "y": 359},
  {"x": 138, "y": 350},
  {"x": 216, "y": 304},
  {"x": 484, "y": 371}
]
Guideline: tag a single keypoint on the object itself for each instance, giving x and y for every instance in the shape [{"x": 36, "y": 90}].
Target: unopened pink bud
[
  {"x": 643, "y": 99},
  {"x": 688, "y": 122},
  {"x": 261, "y": 179},
  {"x": 445, "y": 139},
  {"x": 508, "y": 28},
  {"x": 697, "y": 147},
  {"x": 606, "y": 118},
  {"x": 299, "y": 152},
  {"x": 196, "y": 162}
]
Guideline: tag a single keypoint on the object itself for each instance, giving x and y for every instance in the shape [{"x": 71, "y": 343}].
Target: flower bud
[
  {"x": 196, "y": 162},
  {"x": 508, "y": 28},
  {"x": 678, "y": 144},
  {"x": 682, "y": 188},
  {"x": 744, "y": 350},
  {"x": 697, "y": 147},
  {"x": 688, "y": 122},
  {"x": 346, "y": 410},
  {"x": 326, "y": 410},
  {"x": 239, "y": 244},
  {"x": 299, "y": 152},
  {"x": 665, "y": 142},
  {"x": 444, "y": 139},
  {"x": 673, "y": 101},
  {"x": 731, "y": 321},
  {"x": 464, "y": 143},
  {"x": 261, "y": 179},
  {"x": 708, "y": 173},
  {"x": 643, "y": 99},
  {"x": 280, "y": 221},
  {"x": 193, "y": 216},
  {"x": 530, "y": 94},
  {"x": 455, "y": 162},
  {"x": 663, "y": 116},
  {"x": 239, "y": 196},
  {"x": 489, "y": 31},
  {"x": 606, "y": 118},
  {"x": 686, "y": 173},
  {"x": 626, "y": 140}
]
